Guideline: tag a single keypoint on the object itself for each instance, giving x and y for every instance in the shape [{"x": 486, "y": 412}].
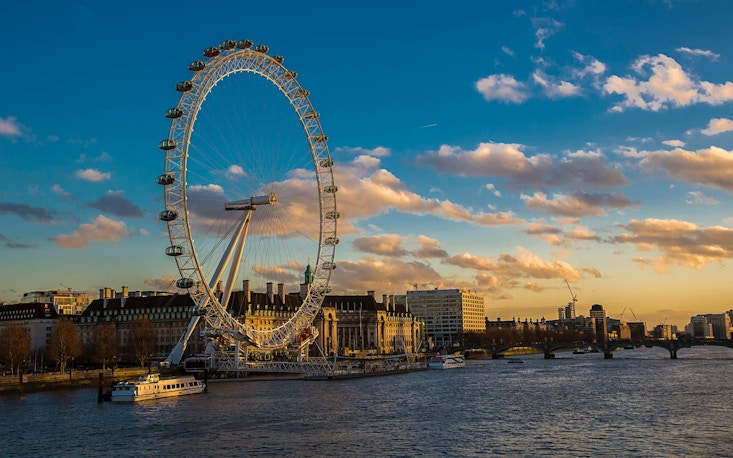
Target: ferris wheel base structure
[{"x": 261, "y": 193}]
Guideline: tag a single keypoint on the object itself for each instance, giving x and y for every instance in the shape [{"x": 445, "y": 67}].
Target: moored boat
[
  {"x": 446, "y": 362},
  {"x": 151, "y": 386}
]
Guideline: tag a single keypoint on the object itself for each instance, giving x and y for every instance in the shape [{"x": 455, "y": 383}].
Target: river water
[{"x": 641, "y": 403}]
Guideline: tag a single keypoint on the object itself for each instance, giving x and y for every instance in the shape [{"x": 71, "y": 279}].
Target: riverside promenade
[{"x": 28, "y": 383}]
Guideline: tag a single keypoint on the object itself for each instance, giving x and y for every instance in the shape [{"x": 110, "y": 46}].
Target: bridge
[{"x": 549, "y": 348}]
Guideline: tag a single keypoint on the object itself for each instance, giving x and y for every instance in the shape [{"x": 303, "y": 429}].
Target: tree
[
  {"x": 104, "y": 343},
  {"x": 143, "y": 340},
  {"x": 15, "y": 345},
  {"x": 64, "y": 343}
]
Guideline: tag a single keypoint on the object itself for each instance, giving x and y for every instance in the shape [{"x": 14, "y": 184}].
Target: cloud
[
  {"x": 507, "y": 50},
  {"x": 505, "y": 270},
  {"x": 7, "y": 243},
  {"x": 59, "y": 191},
  {"x": 593, "y": 67},
  {"x": 366, "y": 190},
  {"x": 115, "y": 203},
  {"x": 392, "y": 275},
  {"x": 165, "y": 283},
  {"x": 379, "y": 151},
  {"x": 544, "y": 28},
  {"x": 578, "y": 204},
  {"x": 503, "y": 88},
  {"x": 102, "y": 229},
  {"x": 698, "y": 198},
  {"x": 709, "y": 167},
  {"x": 667, "y": 86},
  {"x": 718, "y": 126},
  {"x": 699, "y": 52},
  {"x": 521, "y": 171},
  {"x": 28, "y": 213},
  {"x": 383, "y": 245},
  {"x": 679, "y": 243},
  {"x": 429, "y": 248},
  {"x": 674, "y": 143},
  {"x": 93, "y": 175},
  {"x": 10, "y": 127},
  {"x": 554, "y": 89},
  {"x": 556, "y": 236},
  {"x": 492, "y": 189}
]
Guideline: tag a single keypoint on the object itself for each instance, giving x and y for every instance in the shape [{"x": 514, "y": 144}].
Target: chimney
[
  {"x": 245, "y": 289},
  {"x": 101, "y": 293},
  {"x": 125, "y": 294},
  {"x": 370, "y": 293},
  {"x": 384, "y": 302},
  {"x": 270, "y": 299},
  {"x": 281, "y": 292}
]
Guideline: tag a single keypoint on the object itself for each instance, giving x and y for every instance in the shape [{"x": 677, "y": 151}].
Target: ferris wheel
[{"x": 249, "y": 192}]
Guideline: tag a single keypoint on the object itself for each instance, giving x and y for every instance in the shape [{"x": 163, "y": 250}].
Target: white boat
[
  {"x": 446, "y": 362},
  {"x": 151, "y": 386}
]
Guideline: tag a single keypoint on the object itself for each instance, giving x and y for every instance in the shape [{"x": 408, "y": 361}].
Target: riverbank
[{"x": 29, "y": 383}]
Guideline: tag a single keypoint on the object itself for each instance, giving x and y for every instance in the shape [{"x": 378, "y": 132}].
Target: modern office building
[
  {"x": 447, "y": 313},
  {"x": 66, "y": 302},
  {"x": 599, "y": 315}
]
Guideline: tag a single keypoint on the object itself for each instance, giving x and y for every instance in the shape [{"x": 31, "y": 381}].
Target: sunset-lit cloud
[
  {"x": 709, "y": 167},
  {"x": 718, "y": 126},
  {"x": 578, "y": 204},
  {"x": 29, "y": 213},
  {"x": 93, "y": 175},
  {"x": 115, "y": 203},
  {"x": 102, "y": 229},
  {"x": 10, "y": 127},
  {"x": 504, "y": 88},
  {"x": 521, "y": 171}
]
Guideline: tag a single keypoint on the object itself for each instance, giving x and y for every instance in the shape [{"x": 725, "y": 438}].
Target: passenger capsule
[
  {"x": 168, "y": 215},
  {"x": 331, "y": 241},
  {"x": 302, "y": 93},
  {"x": 184, "y": 86},
  {"x": 212, "y": 52},
  {"x": 292, "y": 74},
  {"x": 279, "y": 59},
  {"x": 226, "y": 45},
  {"x": 213, "y": 332},
  {"x": 332, "y": 188},
  {"x": 332, "y": 215},
  {"x": 174, "y": 113},
  {"x": 184, "y": 283},
  {"x": 166, "y": 179},
  {"x": 328, "y": 265},
  {"x": 174, "y": 250},
  {"x": 167, "y": 145},
  {"x": 320, "y": 138},
  {"x": 262, "y": 48},
  {"x": 196, "y": 65},
  {"x": 326, "y": 163},
  {"x": 198, "y": 311},
  {"x": 244, "y": 44},
  {"x": 311, "y": 115}
]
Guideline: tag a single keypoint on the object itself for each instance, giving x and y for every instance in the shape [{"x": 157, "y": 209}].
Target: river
[{"x": 639, "y": 404}]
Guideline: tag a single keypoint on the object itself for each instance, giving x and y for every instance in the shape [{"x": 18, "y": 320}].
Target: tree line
[{"x": 64, "y": 345}]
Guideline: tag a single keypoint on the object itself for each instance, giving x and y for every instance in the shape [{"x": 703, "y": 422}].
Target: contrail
[{"x": 425, "y": 126}]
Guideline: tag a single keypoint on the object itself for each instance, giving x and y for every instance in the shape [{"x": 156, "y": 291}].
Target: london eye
[{"x": 249, "y": 192}]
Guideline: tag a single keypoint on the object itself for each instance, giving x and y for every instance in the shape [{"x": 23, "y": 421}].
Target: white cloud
[
  {"x": 507, "y": 50},
  {"x": 59, "y": 191},
  {"x": 674, "y": 143},
  {"x": 379, "y": 151},
  {"x": 93, "y": 175},
  {"x": 555, "y": 89},
  {"x": 10, "y": 127},
  {"x": 718, "y": 126},
  {"x": 699, "y": 52},
  {"x": 698, "y": 198},
  {"x": 502, "y": 87},
  {"x": 668, "y": 85}
]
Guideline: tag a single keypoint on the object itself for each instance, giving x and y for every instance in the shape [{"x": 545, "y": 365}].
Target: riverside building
[{"x": 446, "y": 313}]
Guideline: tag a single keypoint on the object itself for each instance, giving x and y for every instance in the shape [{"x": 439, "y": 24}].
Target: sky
[{"x": 525, "y": 150}]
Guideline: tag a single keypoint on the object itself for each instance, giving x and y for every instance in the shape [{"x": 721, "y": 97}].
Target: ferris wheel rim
[{"x": 223, "y": 62}]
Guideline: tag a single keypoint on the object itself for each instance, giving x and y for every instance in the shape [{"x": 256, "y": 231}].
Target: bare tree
[
  {"x": 104, "y": 343},
  {"x": 143, "y": 340},
  {"x": 15, "y": 345},
  {"x": 64, "y": 343}
]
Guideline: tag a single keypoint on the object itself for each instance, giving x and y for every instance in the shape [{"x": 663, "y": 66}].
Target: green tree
[
  {"x": 15, "y": 346},
  {"x": 104, "y": 343},
  {"x": 64, "y": 343},
  {"x": 143, "y": 340}
]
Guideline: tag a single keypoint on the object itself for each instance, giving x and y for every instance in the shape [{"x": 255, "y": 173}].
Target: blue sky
[{"x": 501, "y": 147}]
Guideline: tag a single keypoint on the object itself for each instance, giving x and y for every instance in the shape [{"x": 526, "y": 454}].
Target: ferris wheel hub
[{"x": 252, "y": 202}]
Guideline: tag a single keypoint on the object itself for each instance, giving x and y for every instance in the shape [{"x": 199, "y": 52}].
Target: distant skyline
[{"x": 499, "y": 147}]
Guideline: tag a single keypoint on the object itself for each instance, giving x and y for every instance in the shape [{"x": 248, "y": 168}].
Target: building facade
[
  {"x": 66, "y": 302},
  {"x": 446, "y": 313}
]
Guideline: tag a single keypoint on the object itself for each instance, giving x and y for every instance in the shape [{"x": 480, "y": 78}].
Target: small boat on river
[
  {"x": 446, "y": 362},
  {"x": 151, "y": 386}
]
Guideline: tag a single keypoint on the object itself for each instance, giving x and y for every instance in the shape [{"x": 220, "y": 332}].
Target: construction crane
[{"x": 575, "y": 299}]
